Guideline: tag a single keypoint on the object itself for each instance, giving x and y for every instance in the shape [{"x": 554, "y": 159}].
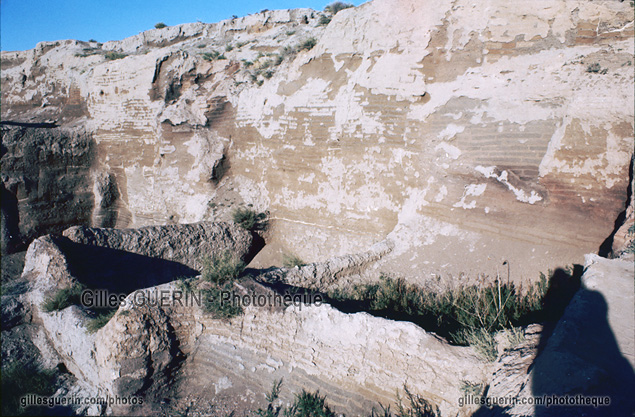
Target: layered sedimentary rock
[
  {"x": 106, "y": 260},
  {"x": 176, "y": 351},
  {"x": 469, "y": 134},
  {"x": 188, "y": 244}
]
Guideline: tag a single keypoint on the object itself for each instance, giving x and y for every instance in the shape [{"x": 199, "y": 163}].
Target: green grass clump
[
  {"x": 219, "y": 308},
  {"x": 220, "y": 272},
  {"x": 111, "y": 56},
  {"x": 249, "y": 219},
  {"x": 160, "y": 25},
  {"x": 324, "y": 20},
  {"x": 309, "y": 404},
  {"x": 99, "y": 321},
  {"x": 19, "y": 380},
  {"x": 471, "y": 388},
  {"x": 305, "y": 404},
  {"x": 63, "y": 298},
  {"x": 596, "y": 68},
  {"x": 290, "y": 260},
  {"x": 307, "y": 45},
  {"x": 312, "y": 404},
  {"x": 458, "y": 314},
  {"x": 214, "y": 55},
  {"x": 223, "y": 268},
  {"x": 481, "y": 340}
]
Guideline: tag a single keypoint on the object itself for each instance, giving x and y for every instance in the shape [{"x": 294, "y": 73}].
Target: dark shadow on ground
[
  {"x": 119, "y": 271},
  {"x": 582, "y": 357},
  {"x": 562, "y": 286},
  {"x": 577, "y": 355}
]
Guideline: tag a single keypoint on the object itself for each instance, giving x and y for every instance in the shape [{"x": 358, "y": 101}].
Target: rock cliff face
[
  {"x": 177, "y": 351},
  {"x": 466, "y": 134},
  {"x": 180, "y": 359}
]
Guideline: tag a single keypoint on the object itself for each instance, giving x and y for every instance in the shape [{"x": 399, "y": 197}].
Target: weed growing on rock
[
  {"x": 596, "y": 68},
  {"x": 309, "y": 404},
  {"x": 99, "y": 321},
  {"x": 305, "y": 404},
  {"x": 483, "y": 342},
  {"x": 462, "y": 314},
  {"x": 221, "y": 269},
  {"x": 220, "y": 272},
  {"x": 324, "y": 20},
  {"x": 214, "y": 55},
  {"x": 307, "y": 45},
  {"x": 271, "y": 410},
  {"x": 291, "y": 261},
  {"x": 249, "y": 219},
  {"x": 111, "y": 56},
  {"x": 160, "y": 25},
  {"x": 213, "y": 303},
  {"x": 471, "y": 388},
  {"x": 418, "y": 406},
  {"x": 515, "y": 336},
  {"x": 63, "y": 298},
  {"x": 312, "y": 404}
]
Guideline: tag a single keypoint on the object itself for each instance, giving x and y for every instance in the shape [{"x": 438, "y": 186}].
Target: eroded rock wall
[
  {"x": 467, "y": 134},
  {"x": 47, "y": 182},
  {"x": 177, "y": 351}
]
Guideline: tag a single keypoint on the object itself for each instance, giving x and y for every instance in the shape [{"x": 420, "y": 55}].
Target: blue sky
[{"x": 24, "y": 23}]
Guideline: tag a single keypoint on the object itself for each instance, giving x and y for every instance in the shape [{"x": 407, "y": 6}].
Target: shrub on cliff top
[
  {"x": 160, "y": 25},
  {"x": 337, "y": 6}
]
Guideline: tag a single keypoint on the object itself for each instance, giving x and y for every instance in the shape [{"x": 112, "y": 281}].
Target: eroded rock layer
[{"x": 468, "y": 134}]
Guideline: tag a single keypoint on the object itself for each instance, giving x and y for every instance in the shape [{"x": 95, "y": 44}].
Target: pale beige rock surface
[
  {"x": 469, "y": 134},
  {"x": 178, "y": 351}
]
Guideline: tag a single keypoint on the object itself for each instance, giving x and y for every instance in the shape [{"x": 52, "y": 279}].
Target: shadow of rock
[{"x": 116, "y": 270}]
